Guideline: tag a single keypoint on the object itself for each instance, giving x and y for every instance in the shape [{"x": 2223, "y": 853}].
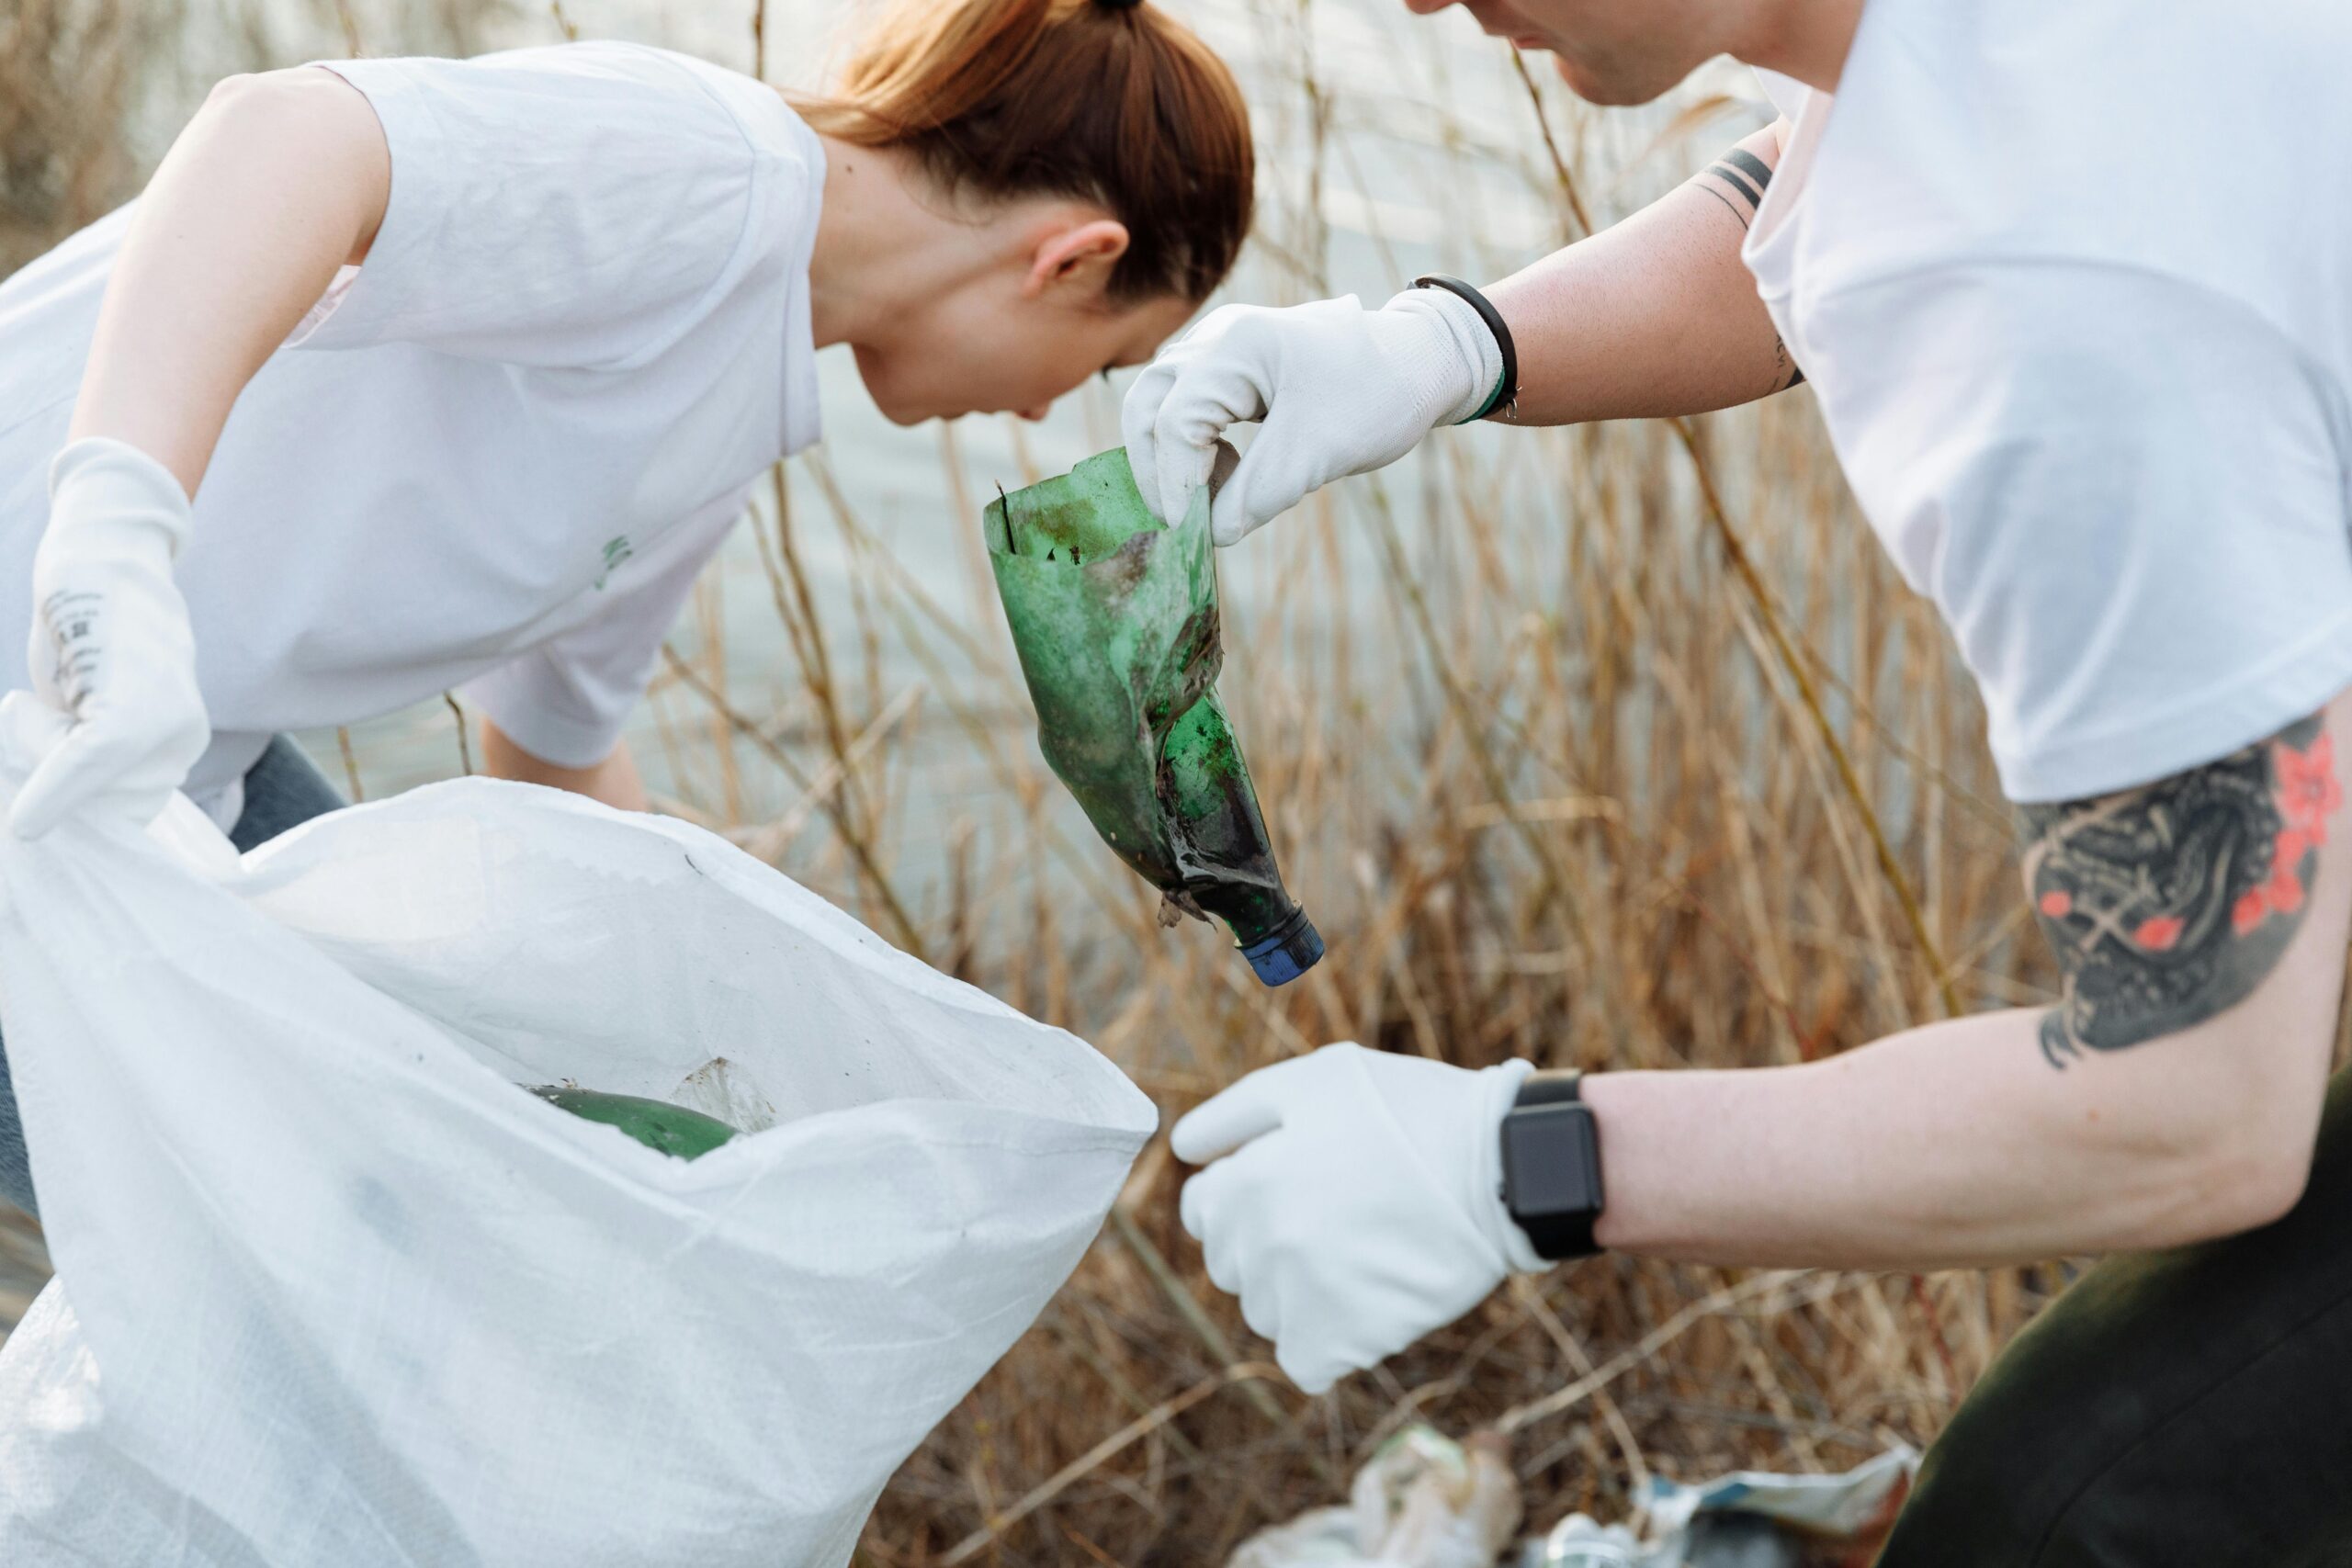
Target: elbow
[
  {"x": 2234, "y": 1175},
  {"x": 2245, "y": 1190},
  {"x": 2211, "y": 1134}
]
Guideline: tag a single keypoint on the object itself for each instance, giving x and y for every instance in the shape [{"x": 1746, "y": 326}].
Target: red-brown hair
[{"x": 1117, "y": 105}]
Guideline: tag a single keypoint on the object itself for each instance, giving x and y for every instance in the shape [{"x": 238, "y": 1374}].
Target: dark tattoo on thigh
[{"x": 2171, "y": 903}]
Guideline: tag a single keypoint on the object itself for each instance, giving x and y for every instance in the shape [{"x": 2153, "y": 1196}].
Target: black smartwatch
[{"x": 1551, "y": 1166}]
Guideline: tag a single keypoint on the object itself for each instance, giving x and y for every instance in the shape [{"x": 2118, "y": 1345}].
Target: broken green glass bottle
[
  {"x": 668, "y": 1129},
  {"x": 1114, "y": 617}
]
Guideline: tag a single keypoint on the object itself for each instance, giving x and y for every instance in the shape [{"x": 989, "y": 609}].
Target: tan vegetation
[{"x": 1632, "y": 752}]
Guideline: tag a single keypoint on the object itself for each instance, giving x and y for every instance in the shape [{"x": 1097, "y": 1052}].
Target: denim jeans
[{"x": 282, "y": 790}]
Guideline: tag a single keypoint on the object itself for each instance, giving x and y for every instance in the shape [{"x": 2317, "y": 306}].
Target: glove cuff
[
  {"x": 99, "y": 480},
  {"x": 1471, "y": 361},
  {"x": 1500, "y": 1087}
]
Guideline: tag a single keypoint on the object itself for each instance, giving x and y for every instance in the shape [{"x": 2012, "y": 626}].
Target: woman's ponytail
[{"x": 1108, "y": 101}]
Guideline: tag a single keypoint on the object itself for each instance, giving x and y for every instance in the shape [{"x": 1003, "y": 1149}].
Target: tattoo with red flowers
[{"x": 2169, "y": 904}]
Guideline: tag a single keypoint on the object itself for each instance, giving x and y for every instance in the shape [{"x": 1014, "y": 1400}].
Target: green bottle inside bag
[
  {"x": 657, "y": 1124},
  {"x": 1114, "y": 617}
]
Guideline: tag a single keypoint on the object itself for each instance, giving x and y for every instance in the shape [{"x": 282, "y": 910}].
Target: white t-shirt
[
  {"x": 2074, "y": 290},
  {"x": 496, "y": 454}
]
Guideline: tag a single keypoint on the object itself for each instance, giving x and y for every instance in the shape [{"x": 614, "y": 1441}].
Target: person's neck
[
  {"x": 1804, "y": 39},
  {"x": 878, "y": 249}
]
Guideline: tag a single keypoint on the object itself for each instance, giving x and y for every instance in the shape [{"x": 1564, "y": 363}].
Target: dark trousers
[
  {"x": 2191, "y": 1408},
  {"x": 282, "y": 790}
]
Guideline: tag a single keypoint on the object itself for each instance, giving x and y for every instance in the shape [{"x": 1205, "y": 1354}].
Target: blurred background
[{"x": 1619, "y": 745}]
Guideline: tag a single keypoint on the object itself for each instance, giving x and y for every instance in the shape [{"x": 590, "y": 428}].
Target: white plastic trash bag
[{"x": 333, "y": 1291}]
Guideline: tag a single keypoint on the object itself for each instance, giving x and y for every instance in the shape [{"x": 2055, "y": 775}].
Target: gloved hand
[
  {"x": 1341, "y": 390},
  {"x": 111, "y": 648},
  {"x": 1355, "y": 1202}
]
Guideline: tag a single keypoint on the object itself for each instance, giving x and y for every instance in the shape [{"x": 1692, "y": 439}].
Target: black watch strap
[
  {"x": 1506, "y": 392},
  {"x": 1560, "y": 1086},
  {"x": 1551, "y": 1166}
]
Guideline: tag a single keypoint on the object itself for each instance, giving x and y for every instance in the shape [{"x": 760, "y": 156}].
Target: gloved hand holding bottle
[
  {"x": 111, "y": 647},
  {"x": 1338, "y": 389}
]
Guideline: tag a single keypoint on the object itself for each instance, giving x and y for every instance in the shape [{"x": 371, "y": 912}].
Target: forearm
[
  {"x": 1656, "y": 315},
  {"x": 278, "y": 182},
  {"x": 1957, "y": 1144},
  {"x": 614, "y": 780}
]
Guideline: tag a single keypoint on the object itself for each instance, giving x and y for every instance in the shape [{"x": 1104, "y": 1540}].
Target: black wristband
[
  {"x": 1559, "y": 1086},
  {"x": 1506, "y": 392}
]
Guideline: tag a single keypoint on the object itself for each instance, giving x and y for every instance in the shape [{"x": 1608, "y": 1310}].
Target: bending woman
[{"x": 468, "y": 366}]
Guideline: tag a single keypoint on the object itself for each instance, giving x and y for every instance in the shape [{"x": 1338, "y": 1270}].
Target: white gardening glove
[
  {"x": 1355, "y": 1202},
  {"x": 1339, "y": 391},
  {"x": 111, "y": 648}
]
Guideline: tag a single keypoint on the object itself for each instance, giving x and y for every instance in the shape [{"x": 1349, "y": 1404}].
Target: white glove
[
  {"x": 1341, "y": 390},
  {"x": 1355, "y": 1202},
  {"x": 111, "y": 647}
]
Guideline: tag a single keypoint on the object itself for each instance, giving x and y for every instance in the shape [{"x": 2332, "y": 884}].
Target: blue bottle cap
[{"x": 1289, "y": 953}]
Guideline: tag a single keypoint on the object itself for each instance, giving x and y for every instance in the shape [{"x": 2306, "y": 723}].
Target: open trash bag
[{"x": 332, "y": 1290}]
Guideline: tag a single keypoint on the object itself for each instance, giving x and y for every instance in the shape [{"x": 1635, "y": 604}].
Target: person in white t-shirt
[
  {"x": 470, "y": 365},
  {"x": 2073, "y": 283}
]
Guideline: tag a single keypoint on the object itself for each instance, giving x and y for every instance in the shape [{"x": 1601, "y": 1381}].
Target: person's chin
[
  {"x": 903, "y": 411},
  {"x": 1609, "y": 91}
]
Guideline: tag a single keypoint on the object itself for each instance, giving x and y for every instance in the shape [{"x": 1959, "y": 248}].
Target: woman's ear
[{"x": 1076, "y": 255}]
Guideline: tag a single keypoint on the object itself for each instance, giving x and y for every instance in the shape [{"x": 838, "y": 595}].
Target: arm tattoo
[
  {"x": 1739, "y": 186},
  {"x": 1739, "y": 179},
  {"x": 2171, "y": 903},
  {"x": 1780, "y": 362}
]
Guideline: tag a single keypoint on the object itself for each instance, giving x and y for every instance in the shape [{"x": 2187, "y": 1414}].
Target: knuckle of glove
[
  {"x": 1309, "y": 1365},
  {"x": 1258, "y": 1310}
]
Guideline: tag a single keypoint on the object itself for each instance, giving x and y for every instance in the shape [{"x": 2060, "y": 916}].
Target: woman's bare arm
[
  {"x": 612, "y": 781},
  {"x": 278, "y": 181},
  {"x": 1655, "y": 315}
]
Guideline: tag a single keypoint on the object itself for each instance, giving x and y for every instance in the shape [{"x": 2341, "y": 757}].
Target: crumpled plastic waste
[
  {"x": 1424, "y": 1501},
  {"x": 1748, "y": 1519}
]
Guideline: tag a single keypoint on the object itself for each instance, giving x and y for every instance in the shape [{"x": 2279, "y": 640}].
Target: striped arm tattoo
[
  {"x": 1738, "y": 179},
  {"x": 2169, "y": 904}
]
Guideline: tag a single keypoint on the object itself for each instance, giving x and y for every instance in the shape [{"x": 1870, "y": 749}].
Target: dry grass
[
  {"x": 1628, "y": 750},
  {"x": 63, "y": 71}
]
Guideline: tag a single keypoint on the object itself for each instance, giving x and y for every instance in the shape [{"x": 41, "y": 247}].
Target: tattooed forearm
[
  {"x": 2169, "y": 904},
  {"x": 1739, "y": 179}
]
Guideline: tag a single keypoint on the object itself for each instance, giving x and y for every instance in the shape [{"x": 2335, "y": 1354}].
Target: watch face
[{"x": 1551, "y": 1163}]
